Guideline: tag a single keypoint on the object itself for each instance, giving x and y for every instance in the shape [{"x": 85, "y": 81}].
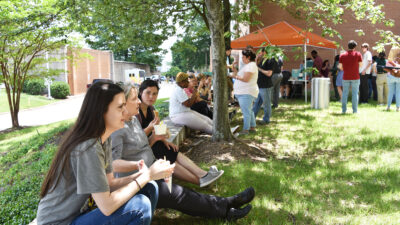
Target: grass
[
  {"x": 25, "y": 156},
  {"x": 324, "y": 168},
  {"x": 27, "y": 101}
]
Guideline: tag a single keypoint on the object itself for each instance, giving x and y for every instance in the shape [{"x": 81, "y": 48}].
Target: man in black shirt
[{"x": 265, "y": 70}]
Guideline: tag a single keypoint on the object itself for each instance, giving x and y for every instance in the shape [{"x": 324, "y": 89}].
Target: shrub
[
  {"x": 59, "y": 89},
  {"x": 35, "y": 87}
]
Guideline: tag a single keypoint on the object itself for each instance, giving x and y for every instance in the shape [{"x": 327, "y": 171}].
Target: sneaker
[
  {"x": 262, "y": 122},
  {"x": 243, "y": 133},
  {"x": 212, "y": 175}
]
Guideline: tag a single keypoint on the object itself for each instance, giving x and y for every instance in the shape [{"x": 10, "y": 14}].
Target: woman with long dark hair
[
  {"x": 131, "y": 144},
  {"x": 185, "y": 169},
  {"x": 82, "y": 169}
]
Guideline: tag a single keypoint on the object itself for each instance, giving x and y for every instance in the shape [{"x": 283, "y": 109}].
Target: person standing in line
[
  {"x": 365, "y": 72},
  {"x": 393, "y": 78},
  {"x": 229, "y": 65},
  {"x": 246, "y": 90},
  {"x": 264, "y": 83},
  {"x": 350, "y": 62},
  {"x": 334, "y": 72},
  {"x": 276, "y": 80},
  {"x": 381, "y": 79},
  {"x": 372, "y": 80},
  {"x": 317, "y": 63}
]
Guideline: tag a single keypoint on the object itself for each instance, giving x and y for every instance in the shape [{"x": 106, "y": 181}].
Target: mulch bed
[{"x": 200, "y": 148}]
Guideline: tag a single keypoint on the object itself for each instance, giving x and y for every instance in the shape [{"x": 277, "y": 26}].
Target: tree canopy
[{"x": 27, "y": 30}]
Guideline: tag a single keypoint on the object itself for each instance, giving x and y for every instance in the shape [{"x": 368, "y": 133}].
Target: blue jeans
[
  {"x": 394, "y": 89},
  {"x": 246, "y": 103},
  {"x": 138, "y": 210},
  {"x": 263, "y": 99},
  {"x": 355, "y": 84}
]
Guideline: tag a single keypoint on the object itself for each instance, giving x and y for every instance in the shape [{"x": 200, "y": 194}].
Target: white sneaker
[{"x": 212, "y": 175}]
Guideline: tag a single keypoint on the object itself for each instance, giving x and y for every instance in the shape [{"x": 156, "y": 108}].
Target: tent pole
[{"x": 305, "y": 73}]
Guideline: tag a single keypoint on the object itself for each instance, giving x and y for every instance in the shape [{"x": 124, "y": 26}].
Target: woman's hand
[
  {"x": 155, "y": 121},
  {"x": 161, "y": 169},
  {"x": 171, "y": 146}
]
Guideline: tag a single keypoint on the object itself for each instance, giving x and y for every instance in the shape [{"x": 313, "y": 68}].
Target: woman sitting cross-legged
[
  {"x": 179, "y": 107},
  {"x": 130, "y": 145},
  {"x": 185, "y": 169},
  {"x": 82, "y": 167}
]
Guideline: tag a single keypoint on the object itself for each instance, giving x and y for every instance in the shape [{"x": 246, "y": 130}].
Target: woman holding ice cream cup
[{"x": 130, "y": 144}]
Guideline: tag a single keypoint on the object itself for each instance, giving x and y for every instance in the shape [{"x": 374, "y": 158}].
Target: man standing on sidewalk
[
  {"x": 365, "y": 72},
  {"x": 350, "y": 62}
]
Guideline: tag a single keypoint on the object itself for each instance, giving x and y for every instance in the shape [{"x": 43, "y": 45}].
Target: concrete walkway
[
  {"x": 62, "y": 110},
  {"x": 58, "y": 111}
]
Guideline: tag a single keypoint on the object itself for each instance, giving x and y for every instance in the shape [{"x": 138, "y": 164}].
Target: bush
[
  {"x": 35, "y": 87},
  {"x": 59, "y": 90}
]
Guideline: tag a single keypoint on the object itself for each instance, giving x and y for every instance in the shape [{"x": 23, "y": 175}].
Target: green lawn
[
  {"x": 27, "y": 101},
  {"x": 324, "y": 168}
]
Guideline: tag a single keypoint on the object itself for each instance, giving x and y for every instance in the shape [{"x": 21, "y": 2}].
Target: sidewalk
[{"x": 58, "y": 111}]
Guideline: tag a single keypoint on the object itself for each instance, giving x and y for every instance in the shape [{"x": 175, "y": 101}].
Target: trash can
[{"x": 320, "y": 88}]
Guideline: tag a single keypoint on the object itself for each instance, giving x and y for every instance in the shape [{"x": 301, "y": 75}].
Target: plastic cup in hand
[{"x": 160, "y": 129}]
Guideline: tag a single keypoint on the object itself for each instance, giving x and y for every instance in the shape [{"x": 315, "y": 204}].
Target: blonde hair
[{"x": 394, "y": 52}]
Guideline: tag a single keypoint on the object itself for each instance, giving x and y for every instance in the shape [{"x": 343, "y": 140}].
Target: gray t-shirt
[
  {"x": 90, "y": 162},
  {"x": 130, "y": 143}
]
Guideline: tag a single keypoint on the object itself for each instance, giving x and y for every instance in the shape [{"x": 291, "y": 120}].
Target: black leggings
[
  {"x": 160, "y": 150},
  {"x": 190, "y": 202}
]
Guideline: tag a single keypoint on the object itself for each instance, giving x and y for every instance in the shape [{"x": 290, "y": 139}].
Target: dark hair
[
  {"x": 314, "y": 52},
  {"x": 352, "y": 44},
  {"x": 382, "y": 55},
  {"x": 324, "y": 63},
  {"x": 250, "y": 54},
  {"x": 228, "y": 48},
  {"x": 89, "y": 124},
  {"x": 337, "y": 58},
  {"x": 145, "y": 84}
]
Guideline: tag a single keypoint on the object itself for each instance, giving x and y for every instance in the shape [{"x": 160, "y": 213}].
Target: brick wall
[{"x": 86, "y": 65}]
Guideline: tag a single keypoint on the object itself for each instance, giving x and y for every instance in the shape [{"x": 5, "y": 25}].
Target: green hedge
[
  {"x": 35, "y": 87},
  {"x": 59, "y": 90}
]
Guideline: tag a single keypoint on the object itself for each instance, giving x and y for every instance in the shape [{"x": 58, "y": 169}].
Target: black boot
[
  {"x": 242, "y": 198},
  {"x": 235, "y": 214}
]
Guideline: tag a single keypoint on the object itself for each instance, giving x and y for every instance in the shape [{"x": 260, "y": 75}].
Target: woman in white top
[
  {"x": 245, "y": 89},
  {"x": 179, "y": 107}
]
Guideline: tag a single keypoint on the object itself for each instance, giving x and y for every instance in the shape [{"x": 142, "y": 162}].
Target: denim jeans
[
  {"x": 138, "y": 210},
  {"x": 394, "y": 89},
  {"x": 246, "y": 103},
  {"x": 355, "y": 84},
  {"x": 264, "y": 99}
]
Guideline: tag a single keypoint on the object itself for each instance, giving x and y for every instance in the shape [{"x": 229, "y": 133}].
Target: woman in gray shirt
[
  {"x": 82, "y": 167},
  {"x": 130, "y": 145}
]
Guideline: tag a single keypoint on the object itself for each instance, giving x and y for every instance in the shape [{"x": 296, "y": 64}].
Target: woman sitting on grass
[
  {"x": 130, "y": 145},
  {"x": 82, "y": 167},
  {"x": 185, "y": 169}
]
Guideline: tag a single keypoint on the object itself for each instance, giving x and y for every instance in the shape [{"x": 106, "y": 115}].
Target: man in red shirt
[{"x": 350, "y": 62}]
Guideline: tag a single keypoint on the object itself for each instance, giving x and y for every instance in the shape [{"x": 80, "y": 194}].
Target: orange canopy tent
[{"x": 282, "y": 34}]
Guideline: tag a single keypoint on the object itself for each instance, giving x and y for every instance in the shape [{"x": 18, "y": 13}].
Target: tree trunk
[
  {"x": 221, "y": 128},
  {"x": 227, "y": 22},
  {"x": 13, "y": 109}
]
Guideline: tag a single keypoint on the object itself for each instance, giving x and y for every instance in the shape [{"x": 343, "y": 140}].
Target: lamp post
[{"x": 48, "y": 81}]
